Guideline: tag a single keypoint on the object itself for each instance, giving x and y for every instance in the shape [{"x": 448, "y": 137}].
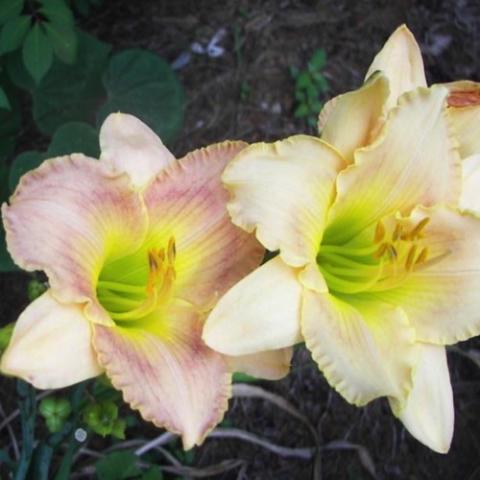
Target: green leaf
[
  {"x": 57, "y": 11},
  {"x": 9, "y": 9},
  {"x": 13, "y": 33},
  {"x": 6, "y": 262},
  {"x": 64, "y": 41},
  {"x": 37, "y": 53},
  {"x": 153, "y": 473},
  {"x": 10, "y": 121},
  {"x": 74, "y": 137},
  {"x": 22, "y": 164},
  {"x": 72, "y": 92},
  {"x": 303, "y": 80},
  {"x": 117, "y": 466},
  {"x": 301, "y": 111},
  {"x": 18, "y": 73},
  {"x": 318, "y": 60},
  {"x": 142, "y": 84},
  {"x": 239, "y": 377},
  {"x": 4, "y": 103}
]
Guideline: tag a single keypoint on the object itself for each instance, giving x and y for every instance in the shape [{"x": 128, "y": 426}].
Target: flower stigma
[{"x": 148, "y": 286}]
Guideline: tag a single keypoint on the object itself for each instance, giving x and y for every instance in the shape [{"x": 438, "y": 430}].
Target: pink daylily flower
[{"x": 137, "y": 248}]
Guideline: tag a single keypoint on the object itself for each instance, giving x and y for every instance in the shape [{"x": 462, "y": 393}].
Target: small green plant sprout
[
  {"x": 311, "y": 86},
  {"x": 55, "y": 411},
  {"x": 5, "y": 335},
  {"x": 35, "y": 288},
  {"x": 102, "y": 418}
]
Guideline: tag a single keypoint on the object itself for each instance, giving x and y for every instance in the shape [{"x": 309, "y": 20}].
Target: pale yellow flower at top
[
  {"x": 137, "y": 248},
  {"x": 379, "y": 259}
]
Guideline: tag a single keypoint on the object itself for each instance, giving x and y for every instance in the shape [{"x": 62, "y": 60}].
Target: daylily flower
[
  {"x": 378, "y": 269},
  {"x": 137, "y": 248}
]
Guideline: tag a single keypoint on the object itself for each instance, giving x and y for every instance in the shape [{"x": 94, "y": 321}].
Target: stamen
[
  {"x": 410, "y": 258},
  {"x": 379, "y": 232},
  {"x": 392, "y": 252},
  {"x": 171, "y": 250},
  {"x": 415, "y": 233},
  {"x": 381, "y": 251},
  {"x": 422, "y": 257},
  {"x": 397, "y": 233}
]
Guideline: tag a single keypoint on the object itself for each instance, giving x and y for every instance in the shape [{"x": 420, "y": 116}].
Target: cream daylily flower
[
  {"x": 137, "y": 248},
  {"x": 377, "y": 270}
]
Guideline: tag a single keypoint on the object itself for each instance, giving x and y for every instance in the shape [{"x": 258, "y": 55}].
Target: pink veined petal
[
  {"x": 130, "y": 146},
  {"x": 167, "y": 373},
  {"x": 51, "y": 345},
  {"x": 67, "y": 217},
  {"x": 187, "y": 202}
]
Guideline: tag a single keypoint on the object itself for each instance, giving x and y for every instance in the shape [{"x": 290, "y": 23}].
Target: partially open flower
[
  {"x": 378, "y": 268},
  {"x": 137, "y": 248}
]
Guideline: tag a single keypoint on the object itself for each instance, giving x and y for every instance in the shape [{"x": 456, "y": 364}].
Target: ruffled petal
[
  {"x": 470, "y": 198},
  {"x": 271, "y": 365},
  {"x": 464, "y": 112},
  {"x": 429, "y": 412},
  {"x": 283, "y": 190},
  {"x": 68, "y": 217},
  {"x": 128, "y": 145},
  {"x": 401, "y": 62},
  {"x": 366, "y": 350},
  {"x": 187, "y": 202},
  {"x": 355, "y": 118},
  {"x": 51, "y": 345},
  {"x": 261, "y": 312},
  {"x": 441, "y": 295},
  {"x": 413, "y": 161},
  {"x": 167, "y": 373}
]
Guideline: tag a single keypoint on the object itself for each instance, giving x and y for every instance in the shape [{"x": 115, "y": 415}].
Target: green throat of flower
[
  {"x": 138, "y": 285},
  {"x": 382, "y": 263}
]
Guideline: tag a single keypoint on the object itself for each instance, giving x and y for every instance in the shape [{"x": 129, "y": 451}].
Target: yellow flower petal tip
[{"x": 137, "y": 248}]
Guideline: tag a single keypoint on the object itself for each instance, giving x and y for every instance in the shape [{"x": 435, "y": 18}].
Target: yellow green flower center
[
  {"x": 134, "y": 286},
  {"x": 383, "y": 261}
]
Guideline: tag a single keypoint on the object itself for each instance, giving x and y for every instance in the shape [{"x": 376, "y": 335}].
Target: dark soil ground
[{"x": 263, "y": 39}]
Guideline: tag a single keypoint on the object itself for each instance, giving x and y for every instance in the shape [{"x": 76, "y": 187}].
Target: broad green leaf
[
  {"x": 9, "y": 9},
  {"x": 72, "y": 92},
  {"x": 74, "y": 137},
  {"x": 239, "y": 377},
  {"x": 4, "y": 103},
  {"x": 117, "y": 466},
  {"x": 153, "y": 473},
  {"x": 301, "y": 111},
  {"x": 64, "y": 41},
  {"x": 18, "y": 73},
  {"x": 13, "y": 33},
  {"x": 37, "y": 53},
  {"x": 142, "y": 84},
  {"x": 22, "y": 164},
  {"x": 58, "y": 11}
]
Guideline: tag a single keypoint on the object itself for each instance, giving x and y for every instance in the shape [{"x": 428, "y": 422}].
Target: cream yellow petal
[
  {"x": 51, "y": 345},
  {"x": 67, "y": 218},
  {"x": 429, "y": 412},
  {"x": 413, "y": 161},
  {"x": 365, "y": 351},
  {"x": 128, "y": 145},
  {"x": 470, "y": 198},
  {"x": 283, "y": 191},
  {"x": 167, "y": 373},
  {"x": 464, "y": 112},
  {"x": 355, "y": 118},
  {"x": 271, "y": 365},
  {"x": 400, "y": 60},
  {"x": 261, "y": 312},
  {"x": 441, "y": 295}
]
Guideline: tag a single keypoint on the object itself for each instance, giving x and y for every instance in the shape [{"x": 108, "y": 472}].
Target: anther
[
  {"x": 415, "y": 233},
  {"x": 379, "y": 232},
  {"x": 397, "y": 233},
  {"x": 171, "y": 250},
  {"x": 381, "y": 250},
  {"x": 423, "y": 256},
  {"x": 392, "y": 252},
  {"x": 410, "y": 258}
]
